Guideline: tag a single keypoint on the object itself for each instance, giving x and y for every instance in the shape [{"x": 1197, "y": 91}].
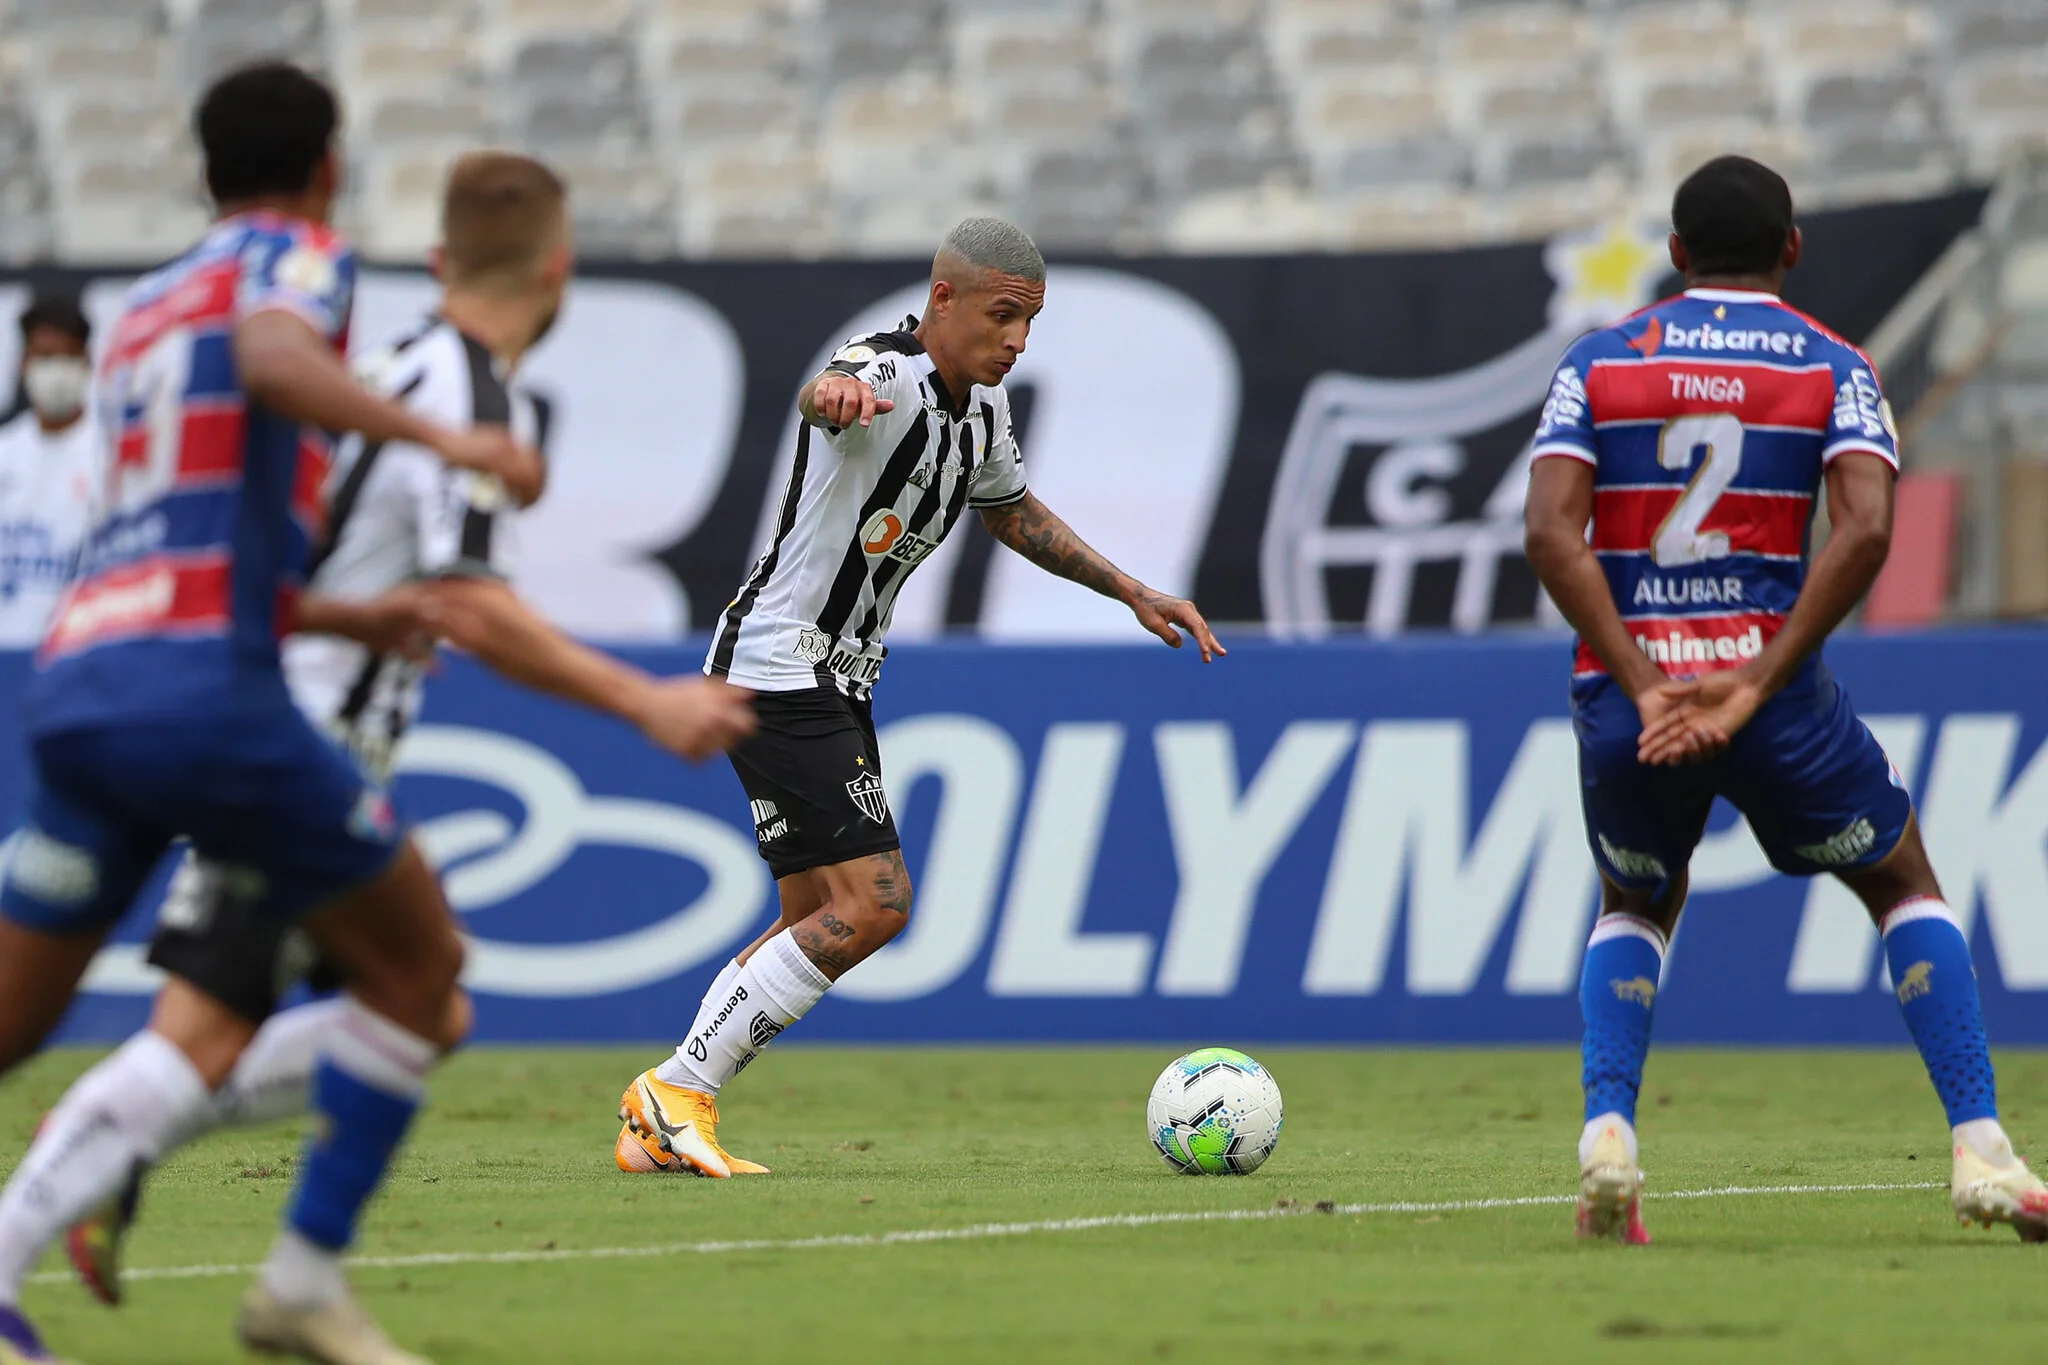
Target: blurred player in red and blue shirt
[
  {"x": 1694, "y": 439},
  {"x": 158, "y": 710}
]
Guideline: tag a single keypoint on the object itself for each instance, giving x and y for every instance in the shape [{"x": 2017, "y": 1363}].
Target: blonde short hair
[{"x": 500, "y": 216}]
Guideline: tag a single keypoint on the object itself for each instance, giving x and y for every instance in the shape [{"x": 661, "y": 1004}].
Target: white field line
[{"x": 980, "y": 1231}]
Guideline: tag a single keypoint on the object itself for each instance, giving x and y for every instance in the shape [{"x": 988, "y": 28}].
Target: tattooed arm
[{"x": 1031, "y": 528}]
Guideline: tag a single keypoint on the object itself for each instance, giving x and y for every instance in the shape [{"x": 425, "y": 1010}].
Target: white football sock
[
  {"x": 776, "y": 988},
  {"x": 676, "y": 1069},
  {"x": 1591, "y": 1134},
  {"x": 274, "y": 1078},
  {"x": 1986, "y": 1137},
  {"x": 299, "y": 1273},
  {"x": 129, "y": 1110},
  {"x": 376, "y": 1055}
]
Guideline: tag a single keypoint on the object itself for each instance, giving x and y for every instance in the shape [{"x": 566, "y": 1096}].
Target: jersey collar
[
  {"x": 1733, "y": 295},
  {"x": 954, "y": 408}
]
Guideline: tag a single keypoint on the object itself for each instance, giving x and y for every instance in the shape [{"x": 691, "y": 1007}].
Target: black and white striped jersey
[
  {"x": 396, "y": 513},
  {"x": 864, "y": 507}
]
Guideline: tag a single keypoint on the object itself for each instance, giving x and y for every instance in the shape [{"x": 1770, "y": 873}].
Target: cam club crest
[
  {"x": 1403, "y": 439},
  {"x": 866, "y": 791}
]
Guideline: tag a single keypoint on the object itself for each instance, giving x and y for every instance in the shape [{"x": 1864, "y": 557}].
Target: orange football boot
[{"x": 671, "y": 1128}]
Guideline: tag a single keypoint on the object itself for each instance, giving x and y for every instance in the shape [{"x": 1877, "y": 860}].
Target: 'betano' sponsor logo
[
  {"x": 881, "y": 532},
  {"x": 885, "y": 534}
]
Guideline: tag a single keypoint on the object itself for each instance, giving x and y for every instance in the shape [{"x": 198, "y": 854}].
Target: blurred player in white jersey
[
  {"x": 51, "y": 463},
  {"x": 414, "y": 543}
]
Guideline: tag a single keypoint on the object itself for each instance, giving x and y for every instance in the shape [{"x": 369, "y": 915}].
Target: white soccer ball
[{"x": 1214, "y": 1112}]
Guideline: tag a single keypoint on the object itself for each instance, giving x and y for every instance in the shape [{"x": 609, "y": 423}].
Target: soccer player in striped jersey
[
  {"x": 1694, "y": 439},
  {"x": 158, "y": 708},
  {"x": 902, "y": 434},
  {"x": 403, "y": 524}
]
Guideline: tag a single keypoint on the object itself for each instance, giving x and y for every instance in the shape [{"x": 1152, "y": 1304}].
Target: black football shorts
[
  {"x": 813, "y": 775},
  {"x": 213, "y": 933}
]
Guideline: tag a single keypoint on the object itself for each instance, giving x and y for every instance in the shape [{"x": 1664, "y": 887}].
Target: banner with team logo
[
  {"x": 1347, "y": 842},
  {"x": 1317, "y": 444}
]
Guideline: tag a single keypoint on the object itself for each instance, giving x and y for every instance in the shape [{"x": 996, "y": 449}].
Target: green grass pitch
[{"x": 515, "y": 1156}]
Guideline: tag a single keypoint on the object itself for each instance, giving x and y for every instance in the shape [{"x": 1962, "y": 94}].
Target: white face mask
[{"x": 56, "y": 385}]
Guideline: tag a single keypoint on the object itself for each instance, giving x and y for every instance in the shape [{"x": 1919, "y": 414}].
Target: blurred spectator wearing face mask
[{"x": 51, "y": 458}]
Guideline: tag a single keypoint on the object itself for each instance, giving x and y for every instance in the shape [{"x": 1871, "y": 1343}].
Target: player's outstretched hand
[
  {"x": 840, "y": 400},
  {"x": 494, "y": 450},
  {"x": 696, "y": 718},
  {"x": 1160, "y": 612}
]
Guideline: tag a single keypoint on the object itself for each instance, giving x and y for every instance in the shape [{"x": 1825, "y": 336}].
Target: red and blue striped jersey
[
  {"x": 1708, "y": 420},
  {"x": 212, "y": 502}
]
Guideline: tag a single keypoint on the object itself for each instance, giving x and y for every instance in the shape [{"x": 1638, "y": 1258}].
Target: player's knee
[
  {"x": 1901, "y": 875},
  {"x": 1645, "y": 903},
  {"x": 417, "y": 989},
  {"x": 887, "y": 921},
  {"x": 873, "y": 895},
  {"x": 442, "y": 967},
  {"x": 877, "y": 918},
  {"x": 210, "y": 1034},
  {"x": 456, "y": 1021}
]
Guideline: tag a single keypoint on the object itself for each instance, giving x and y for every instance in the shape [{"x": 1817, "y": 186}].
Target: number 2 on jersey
[
  {"x": 1679, "y": 539},
  {"x": 155, "y": 384}
]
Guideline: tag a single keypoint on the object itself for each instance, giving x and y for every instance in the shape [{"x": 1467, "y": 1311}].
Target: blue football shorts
[
  {"x": 1812, "y": 780},
  {"x": 259, "y": 791}
]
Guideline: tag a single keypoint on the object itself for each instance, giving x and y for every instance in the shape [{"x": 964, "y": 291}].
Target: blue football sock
[
  {"x": 1937, "y": 990},
  {"x": 366, "y": 1090},
  {"x": 1617, "y": 991}
]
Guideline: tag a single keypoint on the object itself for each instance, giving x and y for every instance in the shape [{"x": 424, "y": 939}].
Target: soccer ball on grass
[{"x": 1214, "y": 1112}]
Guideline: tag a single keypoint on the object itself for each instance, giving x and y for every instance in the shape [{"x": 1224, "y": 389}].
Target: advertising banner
[
  {"x": 1348, "y": 842},
  {"x": 1315, "y": 443}
]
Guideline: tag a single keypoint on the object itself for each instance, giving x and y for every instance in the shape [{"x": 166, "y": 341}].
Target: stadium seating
[{"x": 1107, "y": 125}]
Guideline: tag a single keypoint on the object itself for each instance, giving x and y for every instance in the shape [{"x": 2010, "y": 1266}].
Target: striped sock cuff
[
  {"x": 1609, "y": 927},
  {"x": 1915, "y": 908},
  {"x": 371, "y": 1049}
]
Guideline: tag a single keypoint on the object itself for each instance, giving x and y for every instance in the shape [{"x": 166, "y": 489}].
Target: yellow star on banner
[{"x": 1604, "y": 273}]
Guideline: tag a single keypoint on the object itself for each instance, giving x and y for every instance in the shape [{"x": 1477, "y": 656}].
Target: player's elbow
[
  {"x": 1865, "y": 538},
  {"x": 997, "y": 521},
  {"x": 1547, "y": 541}
]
